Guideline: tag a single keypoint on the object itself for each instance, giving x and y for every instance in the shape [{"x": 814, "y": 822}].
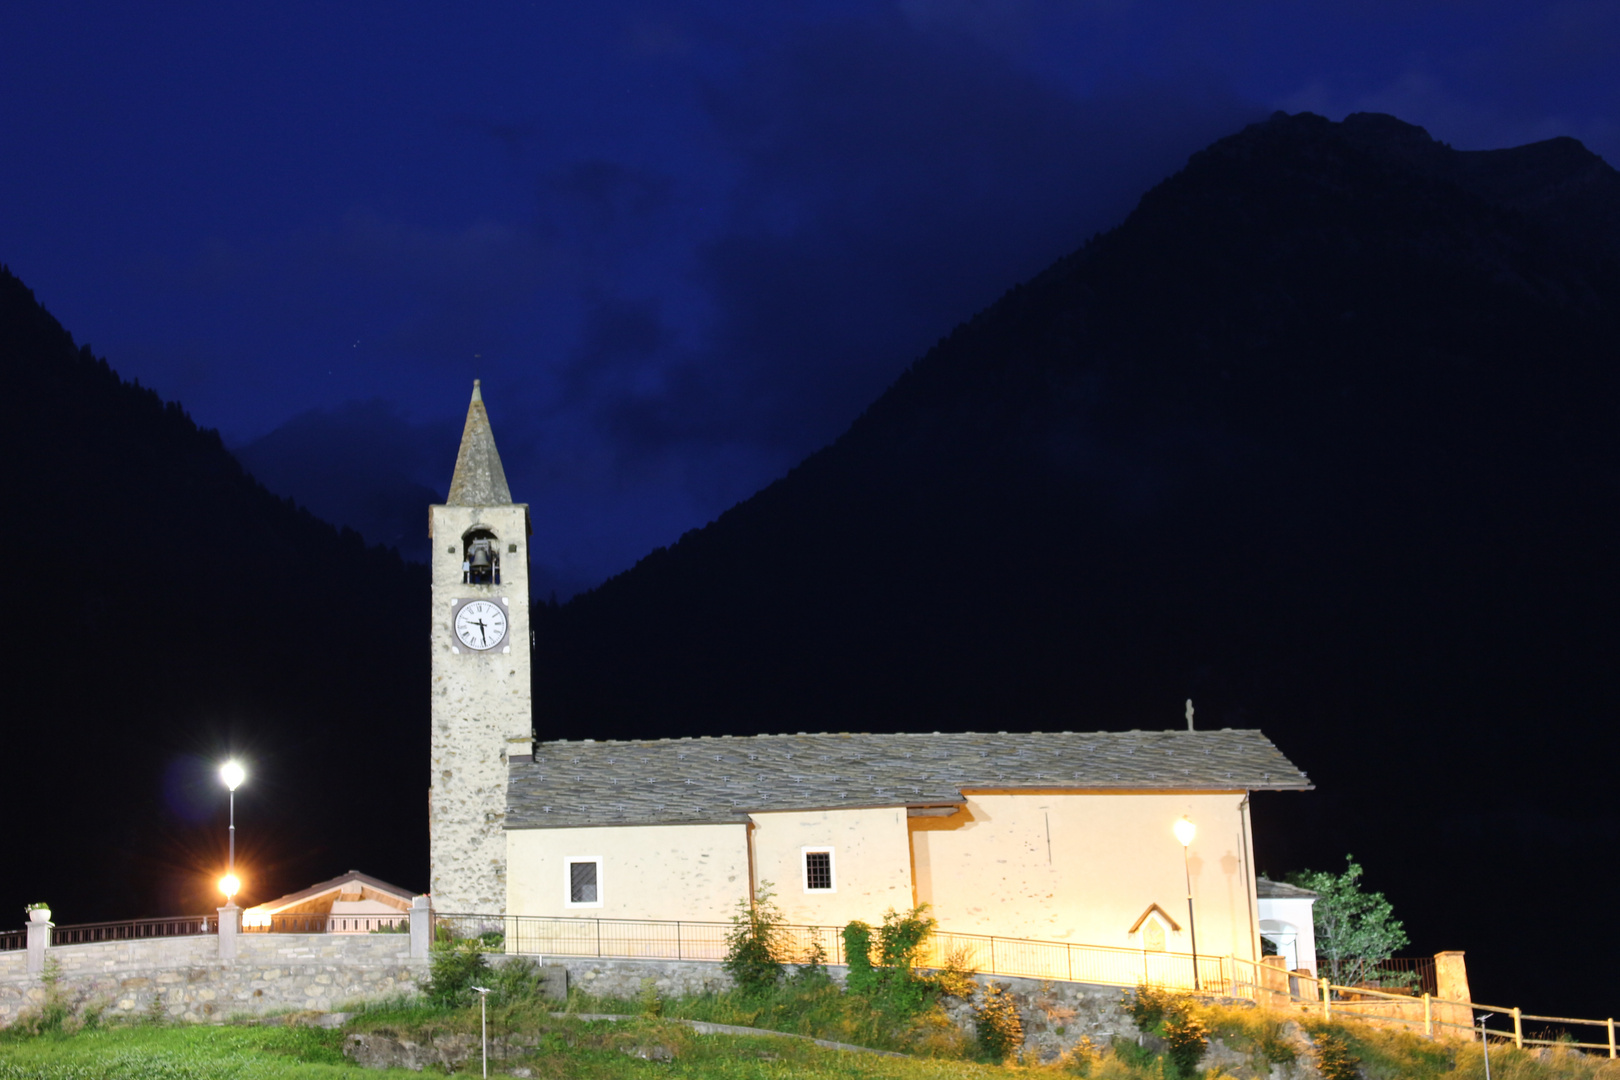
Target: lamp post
[
  {"x": 232, "y": 774},
  {"x": 483, "y": 1024},
  {"x": 1185, "y": 830}
]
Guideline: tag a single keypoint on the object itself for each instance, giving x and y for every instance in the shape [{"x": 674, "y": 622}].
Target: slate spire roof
[
  {"x": 479, "y": 479},
  {"x": 714, "y": 780}
]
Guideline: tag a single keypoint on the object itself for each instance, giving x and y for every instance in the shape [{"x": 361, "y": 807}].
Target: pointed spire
[{"x": 479, "y": 479}]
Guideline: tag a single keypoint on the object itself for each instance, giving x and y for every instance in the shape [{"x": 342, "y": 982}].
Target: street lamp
[
  {"x": 1185, "y": 830},
  {"x": 483, "y": 1024},
  {"x": 232, "y": 774}
]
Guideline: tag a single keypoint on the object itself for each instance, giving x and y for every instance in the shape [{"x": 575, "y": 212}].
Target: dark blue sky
[{"x": 682, "y": 245}]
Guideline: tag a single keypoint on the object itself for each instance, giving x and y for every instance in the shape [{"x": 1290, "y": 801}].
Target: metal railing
[
  {"x": 11, "y": 940},
  {"x": 648, "y": 939},
  {"x": 134, "y": 929},
  {"x": 1398, "y": 974}
]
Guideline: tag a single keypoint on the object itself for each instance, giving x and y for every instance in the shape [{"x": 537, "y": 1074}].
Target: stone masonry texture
[
  {"x": 480, "y": 704},
  {"x": 183, "y": 978}
]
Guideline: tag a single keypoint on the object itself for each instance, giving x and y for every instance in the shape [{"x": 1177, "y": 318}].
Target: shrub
[
  {"x": 1001, "y": 1029},
  {"x": 1334, "y": 1059},
  {"x": 753, "y": 947},
  {"x": 515, "y": 981},
  {"x": 813, "y": 972},
  {"x": 52, "y": 1013},
  {"x": 955, "y": 979},
  {"x": 1083, "y": 1058},
  {"x": 1147, "y": 1005},
  {"x": 858, "y": 955},
  {"x": 648, "y": 1000},
  {"x": 453, "y": 969},
  {"x": 1185, "y": 1037},
  {"x": 901, "y": 937}
]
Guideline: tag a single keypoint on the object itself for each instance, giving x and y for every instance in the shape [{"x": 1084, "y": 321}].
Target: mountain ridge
[{"x": 1320, "y": 437}]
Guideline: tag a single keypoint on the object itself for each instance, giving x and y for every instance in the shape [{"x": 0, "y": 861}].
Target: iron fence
[
  {"x": 13, "y": 939},
  {"x": 647, "y": 939},
  {"x": 134, "y": 929},
  {"x": 1413, "y": 975}
]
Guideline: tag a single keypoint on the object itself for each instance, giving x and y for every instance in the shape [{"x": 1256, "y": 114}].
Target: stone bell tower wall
[{"x": 482, "y": 713}]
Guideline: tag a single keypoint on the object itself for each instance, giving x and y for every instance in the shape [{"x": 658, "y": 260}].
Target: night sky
[{"x": 682, "y": 246}]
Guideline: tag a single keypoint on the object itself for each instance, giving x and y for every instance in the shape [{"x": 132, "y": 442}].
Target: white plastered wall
[
  {"x": 871, "y": 863},
  {"x": 1287, "y": 920},
  {"x": 1083, "y": 868},
  {"x": 688, "y": 872}
]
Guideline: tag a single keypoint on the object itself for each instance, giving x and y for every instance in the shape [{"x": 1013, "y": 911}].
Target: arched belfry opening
[{"x": 480, "y": 557}]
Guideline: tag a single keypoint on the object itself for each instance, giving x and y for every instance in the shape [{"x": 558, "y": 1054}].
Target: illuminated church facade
[{"x": 1058, "y": 836}]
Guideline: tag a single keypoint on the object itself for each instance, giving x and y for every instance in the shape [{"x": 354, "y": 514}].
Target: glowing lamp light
[
  {"x": 232, "y": 774},
  {"x": 230, "y": 885},
  {"x": 1185, "y": 831}
]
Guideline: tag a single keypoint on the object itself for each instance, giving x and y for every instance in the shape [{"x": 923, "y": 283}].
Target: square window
[
  {"x": 584, "y": 881},
  {"x": 818, "y": 870}
]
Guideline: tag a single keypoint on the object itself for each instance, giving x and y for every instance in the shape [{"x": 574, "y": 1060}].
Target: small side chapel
[{"x": 1058, "y": 836}]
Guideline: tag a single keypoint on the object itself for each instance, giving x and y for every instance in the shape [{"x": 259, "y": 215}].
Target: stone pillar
[
  {"x": 39, "y": 939},
  {"x": 230, "y": 919},
  {"x": 1451, "y": 984},
  {"x": 421, "y": 927}
]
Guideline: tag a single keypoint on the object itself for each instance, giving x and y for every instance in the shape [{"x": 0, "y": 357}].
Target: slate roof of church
[{"x": 723, "y": 779}]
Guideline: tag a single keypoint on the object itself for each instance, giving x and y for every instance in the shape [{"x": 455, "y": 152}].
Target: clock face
[{"x": 481, "y": 625}]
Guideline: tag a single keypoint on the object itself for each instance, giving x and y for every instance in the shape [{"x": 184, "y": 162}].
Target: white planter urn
[{"x": 39, "y": 915}]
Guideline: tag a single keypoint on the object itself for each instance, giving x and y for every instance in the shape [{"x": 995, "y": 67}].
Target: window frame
[
  {"x": 832, "y": 868},
  {"x": 569, "y": 862}
]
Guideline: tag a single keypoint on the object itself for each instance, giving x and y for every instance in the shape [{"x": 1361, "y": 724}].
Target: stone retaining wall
[{"x": 183, "y": 978}]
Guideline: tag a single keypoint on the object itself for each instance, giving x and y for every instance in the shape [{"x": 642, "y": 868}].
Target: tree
[{"x": 1355, "y": 930}]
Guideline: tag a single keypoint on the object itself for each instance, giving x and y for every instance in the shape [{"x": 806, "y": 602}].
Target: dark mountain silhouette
[
  {"x": 167, "y": 609},
  {"x": 1322, "y": 437},
  {"x": 359, "y": 465}
]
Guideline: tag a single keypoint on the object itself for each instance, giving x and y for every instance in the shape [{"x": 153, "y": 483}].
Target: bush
[
  {"x": 1334, "y": 1059},
  {"x": 1185, "y": 1038},
  {"x": 53, "y": 1013},
  {"x": 1147, "y": 1005},
  {"x": 858, "y": 955},
  {"x": 813, "y": 972},
  {"x": 1001, "y": 1029},
  {"x": 753, "y": 946},
  {"x": 955, "y": 979},
  {"x": 516, "y": 981},
  {"x": 649, "y": 1000},
  {"x": 1170, "y": 1016},
  {"x": 453, "y": 969}
]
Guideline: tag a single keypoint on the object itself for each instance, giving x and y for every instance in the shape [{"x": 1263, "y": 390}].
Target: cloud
[{"x": 894, "y": 181}]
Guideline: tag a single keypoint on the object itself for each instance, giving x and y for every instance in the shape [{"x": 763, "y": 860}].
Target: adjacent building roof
[
  {"x": 674, "y": 781},
  {"x": 479, "y": 479},
  {"x": 1266, "y": 889},
  {"x": 352, "y": 882}
]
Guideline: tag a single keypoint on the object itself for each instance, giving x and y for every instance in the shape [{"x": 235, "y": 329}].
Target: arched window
[{"x": 480, "y": 558}]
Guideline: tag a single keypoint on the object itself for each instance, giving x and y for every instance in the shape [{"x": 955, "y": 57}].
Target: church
[{"x": 1096, "y": 838}]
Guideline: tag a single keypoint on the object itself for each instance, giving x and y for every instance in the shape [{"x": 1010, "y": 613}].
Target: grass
[
  {"x": 566, "y": 1048},
  {"x": 819, "y": 1010},
  {"x": 555, "y": 1048}
]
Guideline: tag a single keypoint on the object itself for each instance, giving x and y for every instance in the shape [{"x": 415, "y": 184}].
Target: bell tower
[{"x": 482, "y": 713}]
